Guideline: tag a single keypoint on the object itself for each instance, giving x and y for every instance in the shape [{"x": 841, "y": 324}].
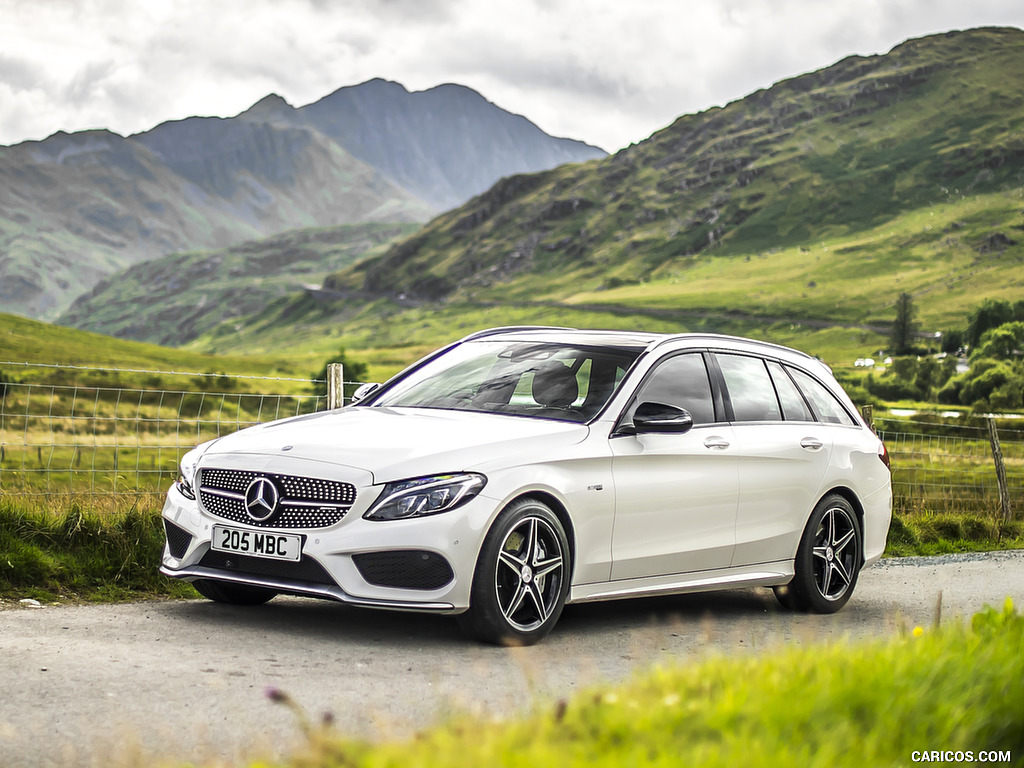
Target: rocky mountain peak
[{"x": 270, "y": 107}]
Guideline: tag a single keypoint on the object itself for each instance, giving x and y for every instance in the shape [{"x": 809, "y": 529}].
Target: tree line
[{"x": 992, "y": 342}]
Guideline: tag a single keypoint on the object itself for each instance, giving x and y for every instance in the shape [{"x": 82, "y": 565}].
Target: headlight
[
  {"x": 423, "y": 496},
  {"x": 187, "y": 470}
]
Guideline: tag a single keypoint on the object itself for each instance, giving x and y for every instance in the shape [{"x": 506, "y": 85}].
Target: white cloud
[{"x": 606, "y": 72}]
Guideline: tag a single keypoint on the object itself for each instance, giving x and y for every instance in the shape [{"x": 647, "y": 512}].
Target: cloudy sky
[{"x": 608, "y": 72}]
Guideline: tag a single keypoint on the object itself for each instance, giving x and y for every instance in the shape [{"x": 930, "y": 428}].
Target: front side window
[
  {"x": 681, "y": 381},
  {"x": 541, "y": 379}
]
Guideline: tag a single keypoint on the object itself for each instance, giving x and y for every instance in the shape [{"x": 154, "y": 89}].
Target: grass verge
[
  {"x": 103, "y": 552},
  {"x": 925, "y": 532},
  {"x": 954, "y": 688}
]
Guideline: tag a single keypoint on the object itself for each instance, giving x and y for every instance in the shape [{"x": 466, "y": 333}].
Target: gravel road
[{"x": 133, "y": 684}]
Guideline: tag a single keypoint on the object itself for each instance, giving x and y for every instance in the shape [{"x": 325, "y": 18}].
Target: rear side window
[
  {"x": 750, "y": 388},
  {"x": 826, "y": 407},
  {"x": 793, "y": 406},
  {"x": 681, "y": 381}
]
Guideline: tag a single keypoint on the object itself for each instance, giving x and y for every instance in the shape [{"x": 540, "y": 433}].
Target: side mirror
[
  {"x": 657, "y": 417},
  {"x": 363, "y": 391}
]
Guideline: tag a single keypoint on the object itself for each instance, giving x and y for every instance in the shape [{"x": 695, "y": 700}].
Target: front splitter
[{"x": 303, "y": 589}]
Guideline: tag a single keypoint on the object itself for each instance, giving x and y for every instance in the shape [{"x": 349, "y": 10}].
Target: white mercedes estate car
[{"x": 521, "y": 469}]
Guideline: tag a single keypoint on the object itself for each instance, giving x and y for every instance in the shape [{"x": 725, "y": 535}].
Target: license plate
[{"x": 276, "y": 546}]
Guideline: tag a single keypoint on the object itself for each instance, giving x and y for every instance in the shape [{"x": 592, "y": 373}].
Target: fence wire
[
  {"x": 952, "y": 469},
  {"x": 69, "y": 439},
  {"x": 65, "y": 438}
]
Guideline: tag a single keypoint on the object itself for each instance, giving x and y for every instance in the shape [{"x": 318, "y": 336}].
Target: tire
[
  {"x": 234, "y": 594},
  {"x": 828, "y": 561},
  {"x": 522, "y": 577},
  {"x": 784, "y": 594}
]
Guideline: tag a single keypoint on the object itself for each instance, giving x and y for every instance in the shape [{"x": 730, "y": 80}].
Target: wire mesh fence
[
  {"x": 75, "y": 439},
  {"x": 69, "y": 438},
  {"x": 946, "y": 467}
]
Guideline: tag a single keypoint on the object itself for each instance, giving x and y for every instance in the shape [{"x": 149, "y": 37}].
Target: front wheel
[
  {"x": 522, "y": 577},
  {"x": 828, "y": 560}
]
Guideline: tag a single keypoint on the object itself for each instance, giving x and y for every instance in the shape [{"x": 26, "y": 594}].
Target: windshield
[{"x": 545, "y": 380}]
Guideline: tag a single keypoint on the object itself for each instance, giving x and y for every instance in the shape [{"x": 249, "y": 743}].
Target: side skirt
[{"x": 760, "y": 575}]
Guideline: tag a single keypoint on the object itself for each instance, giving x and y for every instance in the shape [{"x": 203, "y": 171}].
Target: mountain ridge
[
  {"x": 76, "y": 207},
  {"x": 395, "y": 113},
  {"x": 824, "y": 153},
  {"x": 817, "y": 201}
]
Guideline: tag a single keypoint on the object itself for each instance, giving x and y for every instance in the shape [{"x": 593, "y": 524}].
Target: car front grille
[
  {"x": 404, "y": 569},
  {"x": 304, "y": 502}
]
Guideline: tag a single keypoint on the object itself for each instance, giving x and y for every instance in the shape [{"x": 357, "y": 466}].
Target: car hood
[{"x": 397, "y": 443}]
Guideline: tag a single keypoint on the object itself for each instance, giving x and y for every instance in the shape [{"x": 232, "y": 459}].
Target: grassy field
[
  {"x": 956, "y": 687},
  {"x": 68, "y": 446},
  {"x": 935, "y": 253},
  {"x": 389, "y": 337},
  {"x": 30, "y": 341}
]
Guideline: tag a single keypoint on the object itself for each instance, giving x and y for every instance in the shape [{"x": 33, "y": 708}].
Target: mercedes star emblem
[{"x": 261, "y": 498}]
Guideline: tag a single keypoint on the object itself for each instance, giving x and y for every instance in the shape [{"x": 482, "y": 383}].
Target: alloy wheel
[
  {"x": 835, "y": 553},
  {"x": 529, "y": 572}
]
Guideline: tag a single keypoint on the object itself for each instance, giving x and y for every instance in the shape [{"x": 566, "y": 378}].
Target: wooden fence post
[
  {"x": 997, "y": 456},
  {"x": 868, "y": 412},
  {"x": 335, "y": 386}
]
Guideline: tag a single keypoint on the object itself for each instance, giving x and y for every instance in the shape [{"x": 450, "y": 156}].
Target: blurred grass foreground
[{"x": 956, "y": 689}]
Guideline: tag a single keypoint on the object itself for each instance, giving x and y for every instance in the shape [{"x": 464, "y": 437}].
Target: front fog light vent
[
  {"x": 404, "y": 569},
  {"x": 178, "y": 539}
]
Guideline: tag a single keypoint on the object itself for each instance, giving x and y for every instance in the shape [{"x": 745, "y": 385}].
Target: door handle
[
  {"x": 716, "y": 442},
  {"x": 811, "y": 443}
]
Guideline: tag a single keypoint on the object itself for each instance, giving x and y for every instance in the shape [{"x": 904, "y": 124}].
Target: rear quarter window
[
  {"x": 794, "y": 407},
  {"x": 827, "y": 408}
]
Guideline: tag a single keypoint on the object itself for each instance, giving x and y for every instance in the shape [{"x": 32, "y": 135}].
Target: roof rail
[
  {"x": 727, "y": 337},
  {"x": 513, "y": 328}
]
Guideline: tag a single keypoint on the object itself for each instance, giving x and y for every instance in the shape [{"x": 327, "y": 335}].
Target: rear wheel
[
  {"x": 522, "y": 577},
  {"x": 235, "y": 594},
  {"x": 828, "y": 560}
]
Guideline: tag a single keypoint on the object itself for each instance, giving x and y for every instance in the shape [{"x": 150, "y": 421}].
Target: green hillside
[
  {"x": 176, "y": 298},
  {"x": 820, "y": 199},
  {"x": 31, "y": 341}
]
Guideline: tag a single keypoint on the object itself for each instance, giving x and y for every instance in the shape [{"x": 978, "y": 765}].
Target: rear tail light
[{"x": 883, "y": 455}]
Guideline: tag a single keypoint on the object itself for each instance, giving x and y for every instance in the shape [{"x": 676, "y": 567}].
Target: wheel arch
[
  {"x": 558, "y": 508},
  {"x": 486, "y": 618}
]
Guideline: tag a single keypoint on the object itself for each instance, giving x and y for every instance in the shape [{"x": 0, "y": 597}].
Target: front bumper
[{"x": 331, "y": 557}]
